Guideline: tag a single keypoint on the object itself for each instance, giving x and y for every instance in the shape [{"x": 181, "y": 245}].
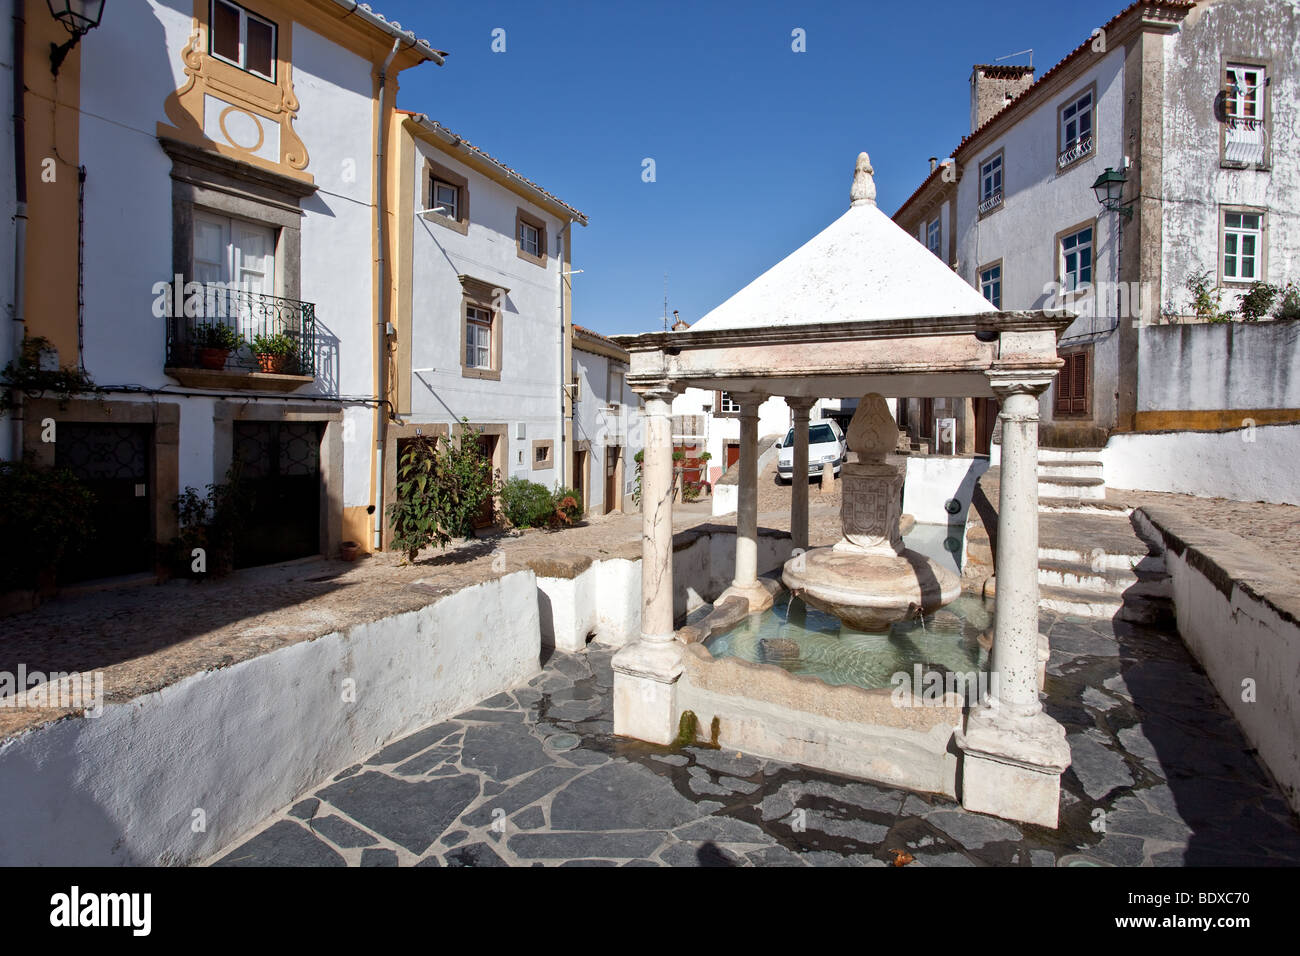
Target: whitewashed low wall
[
  {"x": 1246, "y": 464},
  {"x": 603, "y": 601},
  {"x": 240, "y": 742},
  {"x": 934, "y": 480},
  {"x": 1239, "y": 621},
  {"x": 726, "y": 499}
]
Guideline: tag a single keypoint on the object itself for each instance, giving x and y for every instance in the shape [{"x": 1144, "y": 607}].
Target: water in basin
[{"x": 810, "y": 643}]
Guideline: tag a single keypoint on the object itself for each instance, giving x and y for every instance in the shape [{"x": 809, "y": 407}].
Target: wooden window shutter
[{"x": 1073, "y": 386}]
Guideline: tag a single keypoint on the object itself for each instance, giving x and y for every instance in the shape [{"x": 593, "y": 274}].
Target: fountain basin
[{"x": 869, "y": 592}]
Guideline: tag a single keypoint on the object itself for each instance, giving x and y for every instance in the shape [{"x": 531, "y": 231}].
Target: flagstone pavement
[{"x": 1161, "y": 777}]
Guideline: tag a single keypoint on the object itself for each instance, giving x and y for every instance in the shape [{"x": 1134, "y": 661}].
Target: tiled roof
[
  {"x": 425, "y": 120},
  {"x": 1002, "y": 70},
  {"x": 582, "y": 332},
  {"x": 392, "y": 28},
  {"x": 1084, "y": 47}
]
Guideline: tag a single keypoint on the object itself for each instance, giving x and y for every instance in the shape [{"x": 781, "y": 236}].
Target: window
[
  {"x": 1075, "y": 132},
  {"x": 991, "y": 284},
  {"x": 543, "y": 453},
  {"x": 1074, "y": 386},
  {"x": 242, "y": 39},
  {"x": 1245, "y": 137},
  {"x": 446, "y": 197},
  {"x": 447, "y": 190},
  {"x": 727, "y": 405},
  {"x": 530, "y": 237},
  {"x": 615, "y": 393},
  {"x": 1243, "y": 246},
  {"x": 1075, "y": 264},
  {"x": 234, "y": 252},
  {"x": 933, "y": 236},
  {"x": 991, "y": 183},
  {"x": 478, "y": 337}
]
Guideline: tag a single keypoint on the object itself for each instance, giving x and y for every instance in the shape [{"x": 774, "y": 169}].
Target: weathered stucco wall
[
  {"x": 1245, "y": 464},
  {"x": 1195, "y": 182},
  {"x": 241, "y": 742},
  {"x": 1221, "y": 366},
  {"x": 1237, "y": 615}
]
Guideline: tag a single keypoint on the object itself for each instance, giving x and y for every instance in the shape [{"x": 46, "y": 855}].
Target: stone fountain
[{"x": 868, "y": 579}]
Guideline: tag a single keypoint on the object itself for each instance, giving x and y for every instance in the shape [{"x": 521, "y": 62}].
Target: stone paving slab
[{"x": 1161, "y": 777}]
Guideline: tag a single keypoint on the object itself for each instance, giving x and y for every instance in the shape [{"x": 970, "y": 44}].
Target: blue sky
[{"x": 753, "y": 143}]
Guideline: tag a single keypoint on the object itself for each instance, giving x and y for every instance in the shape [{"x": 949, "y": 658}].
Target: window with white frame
[
  {"x": 530, "y": 238},
  {"x": 478, "y": 337},
  {"x": 242, "y": 39},
  {"x": 1075, "y": 139},
  {"x": 1243, "y": 237},
  {"x": 446, "y": 197},
  {"x": 991, "y": 183},
  {"x": 991, "y": 284},
  {"x": 1076, "y": 260},
  {"x": 933, "y": 235},
  {"x": 234, "y": 252},
  {"x": 727, "y": 405},
  {"x": 1245, "y": 135}
]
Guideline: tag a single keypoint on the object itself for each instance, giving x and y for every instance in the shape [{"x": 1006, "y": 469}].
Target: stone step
[
  {"x": 1076, "y": 575},
  {"x": 1071, "y": 468},
  {"x": 1095, "y": 541},
  {"x": 1141, "y": 604},
  {"x": 1069, "y": 454},
  {"x": 1091, "y": 488},
  {"x": 1090, "y": 506}
]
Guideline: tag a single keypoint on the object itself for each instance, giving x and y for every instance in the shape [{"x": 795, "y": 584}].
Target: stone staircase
[{"x": 1091, "y": 561}]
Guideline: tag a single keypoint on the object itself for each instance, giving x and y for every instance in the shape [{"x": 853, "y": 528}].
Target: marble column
[
  {"x": 746, "y": 576},
  {"x": 646, "y": 671},
  {"x": 799, "y": 408},
  {"x": 1014, "y": 752}
]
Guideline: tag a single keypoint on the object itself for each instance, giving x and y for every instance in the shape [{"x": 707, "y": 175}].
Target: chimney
[
  {"x": 992, "y": 86},
  {"x": 679, "y": 324},
  {"x": 934, "y": 161}
]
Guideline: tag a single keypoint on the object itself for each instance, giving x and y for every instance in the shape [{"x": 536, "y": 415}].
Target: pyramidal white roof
[{"x": 861, "y": 267}]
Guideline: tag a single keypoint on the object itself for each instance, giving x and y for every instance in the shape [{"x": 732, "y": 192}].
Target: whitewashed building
[
  {"x": 606, "y": 424},
  {"x": 211, "y": 163},
  {"x": 1191, "y": 108},
  {"x": 480, "y": 259}
]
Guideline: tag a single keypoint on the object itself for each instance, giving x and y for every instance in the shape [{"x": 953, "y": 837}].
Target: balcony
[
  {"x": 1244, "y": 142},
  {"x": 991, "y": 203},
  {"x": 1074, "y": 152},
  {"x": 225, "y": 337}
]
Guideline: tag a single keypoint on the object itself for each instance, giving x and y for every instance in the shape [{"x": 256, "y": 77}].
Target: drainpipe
[
  {"x": 564, "y": 382},
  {"x": 19, "y": 328},
  {"x": 381, "y": 320}
]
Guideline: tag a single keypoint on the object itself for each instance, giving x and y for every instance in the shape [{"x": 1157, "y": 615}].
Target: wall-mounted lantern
[
  {"x": 78, "y": 17},
  {"x": 1109, "y": 190}
]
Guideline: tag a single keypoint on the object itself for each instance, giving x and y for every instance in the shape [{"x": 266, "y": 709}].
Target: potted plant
[
  {"x": 276, "y": 353},
  {"x": 213, "y": 343},
  {"x": 349, "y": 550}
]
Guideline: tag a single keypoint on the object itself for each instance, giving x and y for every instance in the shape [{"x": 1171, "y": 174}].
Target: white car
[{"x": 826, "y": 443}]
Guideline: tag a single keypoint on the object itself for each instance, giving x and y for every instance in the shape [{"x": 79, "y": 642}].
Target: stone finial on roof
[{"x": 864, "y": 187}]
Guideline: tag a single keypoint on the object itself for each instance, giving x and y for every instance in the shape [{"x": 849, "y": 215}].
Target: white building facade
[
  {"x": 482, "y": 306},
  {"x": 607, "y": 432}
]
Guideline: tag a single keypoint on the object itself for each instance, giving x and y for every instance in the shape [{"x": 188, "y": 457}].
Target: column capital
[
  {"x": 1008, "y": 382},
  {"x": 748, "y": 402},
  {"x": 800, "y": 405},
  {"x": 661, "y": 389}
]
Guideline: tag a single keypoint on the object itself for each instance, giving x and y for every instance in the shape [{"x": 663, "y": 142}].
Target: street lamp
[
  {"x": 78, "y": 17},
  {"x": 1109, "y": 188}
]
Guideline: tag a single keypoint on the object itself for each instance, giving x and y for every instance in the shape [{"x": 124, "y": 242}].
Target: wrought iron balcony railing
[{"x": 230, "y": 328}]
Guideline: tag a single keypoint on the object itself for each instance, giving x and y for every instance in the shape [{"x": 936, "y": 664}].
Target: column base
[
  {"x": 761, "y": 595},
  {"x": 1011, "y": 767},
  {"x": 645, "y": 690}
]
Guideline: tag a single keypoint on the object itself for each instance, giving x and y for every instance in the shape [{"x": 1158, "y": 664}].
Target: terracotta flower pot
[
  {"x": 349, "y": 550},
  {"x": 214, "y": 359},
  {"x": 278, "y": 364}
]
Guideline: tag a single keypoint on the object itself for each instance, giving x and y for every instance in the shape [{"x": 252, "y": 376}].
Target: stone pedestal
[
  {"x": 868, "y": 579},
  {"x": 1012, "y": 766}
]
